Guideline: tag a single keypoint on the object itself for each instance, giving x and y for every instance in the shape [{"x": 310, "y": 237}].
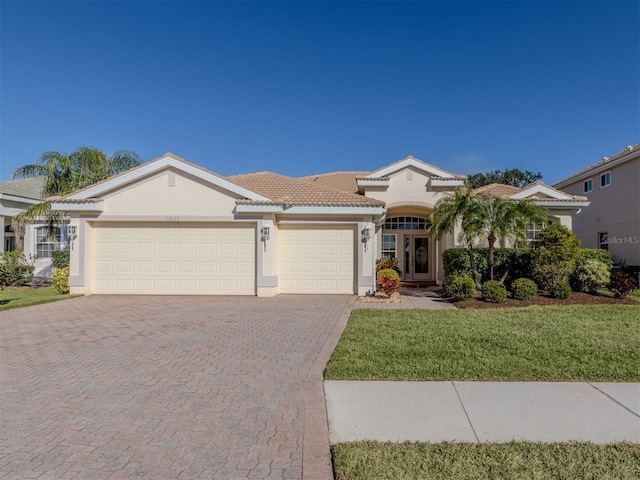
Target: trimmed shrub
[
  {"x": 60, "y": 258},
  {"x": 388, "y": 281},
  {"x": 388, "y": 263},
  {"x": 589, "y": 275},
  {"x": 621, "y": 284},
  {"x": 524, "y": 289},
  {"x": 560, "y": 290},
  {"x": 522, "y": 265},
  {"x": 494, "y": 292},
  {"x": 459, "y": 287},
  {"x": 456, "y": 262},
  {"x": 61, "y": 280},
  {"x": 15, "y": 271}
]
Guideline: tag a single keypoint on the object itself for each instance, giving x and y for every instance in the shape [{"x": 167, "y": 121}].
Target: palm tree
[
  {"x": 498, "y": 218},
  {"x": 65, "y": 173},
  {"x": 450, "y": 210}
]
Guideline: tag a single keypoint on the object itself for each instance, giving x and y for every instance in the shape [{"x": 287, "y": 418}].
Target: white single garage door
[
  {"x": 316, "y": 259},
  {"x": 174, "y": 259}
]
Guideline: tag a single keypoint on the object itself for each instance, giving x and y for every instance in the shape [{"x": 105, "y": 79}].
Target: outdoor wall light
[
  {"x": 72, "y": 231},
  {"x": 264, "y": 233},
  {"x": 366, "y": 234}
]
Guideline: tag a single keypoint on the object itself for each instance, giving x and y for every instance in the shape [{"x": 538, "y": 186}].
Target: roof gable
[
  {"x": 167, "y": 161},
  {"x": 419, "y": 165},
  {"x": 531, "y": 190}
]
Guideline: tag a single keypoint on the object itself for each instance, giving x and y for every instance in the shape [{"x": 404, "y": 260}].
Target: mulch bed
[{"x": 576, "y": 298}]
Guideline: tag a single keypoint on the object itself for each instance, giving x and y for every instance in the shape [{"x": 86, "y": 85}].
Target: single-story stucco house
[{"x": 173, "y": 227}]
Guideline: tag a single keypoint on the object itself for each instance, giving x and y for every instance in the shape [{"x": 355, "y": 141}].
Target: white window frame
[
  {"x": 605, "y": 176},
  {"x": 42, "y": 237},
  {"x": 587, "y": 186},
  {"x": 388, "y": 252}
]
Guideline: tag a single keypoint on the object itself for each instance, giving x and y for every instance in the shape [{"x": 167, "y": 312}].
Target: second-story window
[
  {"x": 605, "y": 179},
  {"x": 588, "y": 186}
]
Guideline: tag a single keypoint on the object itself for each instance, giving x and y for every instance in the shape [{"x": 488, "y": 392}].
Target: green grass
[
  {"x": 635, "y": 294},
  {"x": 515, "y": 460},
  {"x": 553, "y": 343},
  {"x": 17, "y": 297}
]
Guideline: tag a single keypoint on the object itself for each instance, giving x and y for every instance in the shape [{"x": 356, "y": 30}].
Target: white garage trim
[
  {"x": 173, "y": 258},
  {"x": 316, "y": 259}
]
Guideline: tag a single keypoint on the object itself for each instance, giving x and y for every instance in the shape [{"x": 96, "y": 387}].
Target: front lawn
[
  {"x": 515, "y": 460},
  {"x": 16, "y": 297},
  {"x": 568, "y": 343}
]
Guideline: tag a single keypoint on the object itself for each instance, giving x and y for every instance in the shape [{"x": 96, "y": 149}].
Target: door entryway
[{"x": 416, "y": 257}]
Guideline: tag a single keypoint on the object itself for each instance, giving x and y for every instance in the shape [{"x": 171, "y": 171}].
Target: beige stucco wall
[
  {"x": 169, "y": 193},
  {"x": 407, "y": 187},
  {"x": 614, "y": 209}
]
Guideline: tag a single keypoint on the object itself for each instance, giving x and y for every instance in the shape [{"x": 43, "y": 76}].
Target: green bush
[
  {"x": 524, "y": 289},
  {"x": 589, "y": 275},
  {"x": 459, "y": 287},
  {"x": 456, "y": 262},
  {"x": 522, "y": 265},
  {"x": 560, "y": 290},
  {"x": 555, "y": 255},
  {"x": 494, "y": 292},
  {"x": 388, "y": 281},
  {"x": 61, "y": 280},
  {"x": 60, "y": 258},
  {"x": 15, "y": 271},
  {"x": 595, "y": 254}
]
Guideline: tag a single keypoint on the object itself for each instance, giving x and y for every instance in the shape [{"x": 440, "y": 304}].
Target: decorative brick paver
[{"x": 167, "y": 387}]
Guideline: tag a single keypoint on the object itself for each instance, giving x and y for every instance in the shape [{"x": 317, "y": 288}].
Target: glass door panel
[{"x": 421, "y": 255}]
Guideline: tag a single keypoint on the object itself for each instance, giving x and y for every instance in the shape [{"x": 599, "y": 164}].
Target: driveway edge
[{"x": 316, "y": 454}]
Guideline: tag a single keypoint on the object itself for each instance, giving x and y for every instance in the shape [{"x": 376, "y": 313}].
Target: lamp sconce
[
  {"x": 366, "y": 235},
  {"x": 264, "y": 233},
  {"x": 72, "y": 231}
]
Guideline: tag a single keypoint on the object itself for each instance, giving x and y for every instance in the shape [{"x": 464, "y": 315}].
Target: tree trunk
[
  {"x": 472, "y": 262},
  {"x": 492, "y": 241}
]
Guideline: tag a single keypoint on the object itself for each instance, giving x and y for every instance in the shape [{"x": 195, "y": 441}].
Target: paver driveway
[{"x": 159, "y": 387}]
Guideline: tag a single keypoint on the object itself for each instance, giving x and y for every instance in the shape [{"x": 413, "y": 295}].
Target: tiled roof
[
  {"x": 31, "y": 188},
  {"x": 427, "y": 165},
  {"x": 630, "y": 149},
  {"x": 283, "y": 190},
  {"x": 345, "y": 181},
  {"x": 500, "y": 190}
]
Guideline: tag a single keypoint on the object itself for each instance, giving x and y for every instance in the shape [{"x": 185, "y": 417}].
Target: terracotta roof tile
[
  {"x": 345, "y": 181},
  {"x": 283, "y": 190}
]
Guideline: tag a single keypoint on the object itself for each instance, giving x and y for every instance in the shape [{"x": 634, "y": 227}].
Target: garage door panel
[
  {"x": 159, "y": 259},
  {"x": 316, "y": 259}
]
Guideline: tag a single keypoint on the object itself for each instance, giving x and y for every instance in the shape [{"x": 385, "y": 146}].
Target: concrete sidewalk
[{"x": 483, "y": 411}]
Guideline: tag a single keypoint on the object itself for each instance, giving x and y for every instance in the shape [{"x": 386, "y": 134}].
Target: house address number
[{"x": 173, "y": 219}]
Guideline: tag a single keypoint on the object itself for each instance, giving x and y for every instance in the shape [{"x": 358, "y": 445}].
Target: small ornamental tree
[{"x": 554, "y": 255}]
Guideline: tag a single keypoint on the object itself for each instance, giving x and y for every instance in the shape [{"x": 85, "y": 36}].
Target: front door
[{"x": 416, "y": 257}]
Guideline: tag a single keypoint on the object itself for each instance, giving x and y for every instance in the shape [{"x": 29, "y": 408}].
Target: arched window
[
  {"x": 45, "y": 243},
  {"x": 406, "y": 223}
]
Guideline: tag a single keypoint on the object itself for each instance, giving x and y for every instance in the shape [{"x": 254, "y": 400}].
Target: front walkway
[{"x": 483, "y": 411}]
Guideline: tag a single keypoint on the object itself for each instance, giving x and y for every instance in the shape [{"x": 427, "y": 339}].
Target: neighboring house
[
  {"x": 172, "y": 227},
  {"x": 37, "y": 245},
  {"x": 612, "y": 221}
]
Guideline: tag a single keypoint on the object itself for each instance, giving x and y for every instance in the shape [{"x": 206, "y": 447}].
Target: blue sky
[{"x": 308, "y": 87}]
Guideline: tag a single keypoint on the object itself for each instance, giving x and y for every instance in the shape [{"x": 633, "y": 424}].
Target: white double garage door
[{"x": 217, "y": 259}]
